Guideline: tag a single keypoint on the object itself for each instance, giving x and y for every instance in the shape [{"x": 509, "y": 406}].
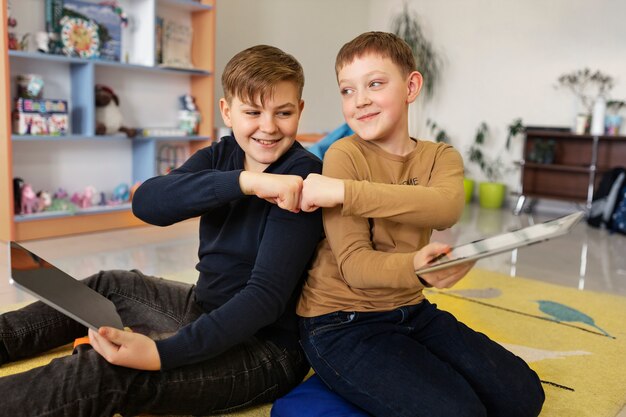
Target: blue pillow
[
  {"x": 319, "y": 149},
  {"x": 313, "y": 398}
]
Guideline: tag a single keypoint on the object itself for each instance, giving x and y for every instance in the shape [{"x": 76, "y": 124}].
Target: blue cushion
[
  {"x": 313, "y": 398},
  {"x": 319, "y": 149}
]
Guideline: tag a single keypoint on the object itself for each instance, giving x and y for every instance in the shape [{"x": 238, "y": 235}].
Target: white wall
[
  {"x": 502, "y": 58},
  {"x": 311, "y": 30}
]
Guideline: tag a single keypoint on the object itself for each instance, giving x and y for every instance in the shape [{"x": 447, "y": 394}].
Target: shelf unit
[
  {"x": 81, "y": 75},
  {"x": 578, "y": 165}
]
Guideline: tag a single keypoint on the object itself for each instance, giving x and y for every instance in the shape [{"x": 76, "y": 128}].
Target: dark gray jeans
[{"x": 84, "y": 384}]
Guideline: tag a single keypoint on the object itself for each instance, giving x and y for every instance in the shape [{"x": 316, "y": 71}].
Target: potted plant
[
  {"x": 589, "y": 87},
  {"x": 491, "y": 193},
  {"x": 614, "y": 119},
  {"x": 407, "y": 26}
]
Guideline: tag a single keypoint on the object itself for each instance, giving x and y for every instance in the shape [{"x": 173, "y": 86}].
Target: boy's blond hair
[
  {"x": 254, "y": 73},
  {"x": 384, "y": 44}
]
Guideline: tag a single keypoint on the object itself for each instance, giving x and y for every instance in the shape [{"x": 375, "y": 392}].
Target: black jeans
[
  {"x": 419, "y": 361},
  {"x": 84, "y": 384}
]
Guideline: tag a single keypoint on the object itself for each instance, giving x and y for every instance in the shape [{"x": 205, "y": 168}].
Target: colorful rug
[{"x": 575, "y": 340}]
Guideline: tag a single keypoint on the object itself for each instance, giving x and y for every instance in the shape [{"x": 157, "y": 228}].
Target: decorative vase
[
  {"x": 582, "y": 124},
  {"x": 491, "y": 194},
  {"x": 468, "y": 185},
  {"x": 597, "y": 120}
]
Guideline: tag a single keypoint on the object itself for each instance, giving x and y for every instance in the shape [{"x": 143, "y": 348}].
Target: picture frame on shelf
[
  {"x": 176, "y": 45},
  {"x": 91, "y": 30}
]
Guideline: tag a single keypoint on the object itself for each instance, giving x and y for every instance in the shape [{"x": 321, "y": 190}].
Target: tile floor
[{"x": 587, "y": 258}]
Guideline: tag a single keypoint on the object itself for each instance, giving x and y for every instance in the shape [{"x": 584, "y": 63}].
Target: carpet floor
[{"x": 575, "y": 340}]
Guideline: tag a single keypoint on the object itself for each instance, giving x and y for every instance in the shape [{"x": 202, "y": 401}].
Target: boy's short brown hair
[
  {"x": 384, "y": 44},
  {"x": 254, "y": 72}
]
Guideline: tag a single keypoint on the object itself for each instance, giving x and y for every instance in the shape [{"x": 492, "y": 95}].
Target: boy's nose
[
  {"x": 362, "y": 99},
  {"x": 267, "y": 125}
]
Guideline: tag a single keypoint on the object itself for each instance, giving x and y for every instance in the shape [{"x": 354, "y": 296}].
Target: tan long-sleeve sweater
[{"x": 392, "y": 203}]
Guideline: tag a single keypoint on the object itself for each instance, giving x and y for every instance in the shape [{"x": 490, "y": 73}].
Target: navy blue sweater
[{"x": 253, "y": 255}]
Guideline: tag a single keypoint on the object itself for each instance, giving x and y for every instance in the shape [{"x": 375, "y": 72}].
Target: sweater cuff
[
  {"x": 346, "y": 209},
  {"x": 228, "y": 189},
  {"x": 170, "y": 353}
]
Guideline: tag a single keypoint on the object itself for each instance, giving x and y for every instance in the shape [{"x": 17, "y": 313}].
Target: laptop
[
  {"x": 483, "y": 248},
  {"x": 36, "y": 276}
]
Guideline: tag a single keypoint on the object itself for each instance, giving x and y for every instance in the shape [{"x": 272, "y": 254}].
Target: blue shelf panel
[
  {"x": 186, "y": 5},
  {"x": 173, "y": 138},
  {"x": 65, "y": 213},
  {"x": 17, "y": 138},
  {"x": 71, "y": 60},
  {"x": 34, "y": 138}
]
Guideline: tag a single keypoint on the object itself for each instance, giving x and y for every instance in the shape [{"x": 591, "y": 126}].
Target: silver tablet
[{"x": 502, "y": 243}]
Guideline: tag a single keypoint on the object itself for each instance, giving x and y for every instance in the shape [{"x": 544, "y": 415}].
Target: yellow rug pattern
[{"x": 575, "y": 340}]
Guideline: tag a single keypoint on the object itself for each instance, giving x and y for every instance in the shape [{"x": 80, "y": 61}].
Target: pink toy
[
  {"x": 85, "y": 200},
  {"x": 30, "y": 202}
]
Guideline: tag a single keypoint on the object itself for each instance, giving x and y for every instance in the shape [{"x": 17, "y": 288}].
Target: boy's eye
[
  {"x": 376, "y": 83},
  {"x": 346, "y": 91},
  {"x": 285, "y": 114},
  {"x": 252, "y": 112}
]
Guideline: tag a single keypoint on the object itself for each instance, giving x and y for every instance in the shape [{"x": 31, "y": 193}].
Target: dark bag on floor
[
  {"x": 618, "y": 220},
  {"x": 606, "y": 197}
]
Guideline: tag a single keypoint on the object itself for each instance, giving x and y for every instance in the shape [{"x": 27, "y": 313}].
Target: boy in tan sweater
[{"x": 367, "y": 329}]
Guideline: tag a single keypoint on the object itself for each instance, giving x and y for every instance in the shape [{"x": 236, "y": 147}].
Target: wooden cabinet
[
  {"x": 148, "y": 91},
  {"x": 564, "y": 166}
]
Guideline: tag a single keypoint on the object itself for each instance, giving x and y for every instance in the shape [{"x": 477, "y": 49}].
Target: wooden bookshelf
[
  {"x": 576, "y": 169},
  {"x": 83, "y": 75}
]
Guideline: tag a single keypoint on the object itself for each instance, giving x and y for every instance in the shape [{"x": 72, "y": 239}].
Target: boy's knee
[{"x": 526, "y": 402}]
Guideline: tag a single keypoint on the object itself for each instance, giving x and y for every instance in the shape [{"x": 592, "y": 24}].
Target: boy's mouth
[
  {"x": 367, "y": 117},
  {"x": 267, "y": 142}
]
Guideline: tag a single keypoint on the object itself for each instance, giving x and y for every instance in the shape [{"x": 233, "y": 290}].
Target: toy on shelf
[
  {"x": 18, "y": 184},
  {"x": 40, "y": 117},
  {"x": 29, "y": 202},
  {"x": 108, "y": 113},
  {"x": 30, "y": 86},
  {"x": 133, "y": 189},
  {"x": 188, "y": 115},
  {"x": 15, "y": 42},
  {"x": 86, "y": 198},
  {"x": 60, "y": 202},
  {"x": 121, "y": 194},
  {"x": 44, "y": 199}
]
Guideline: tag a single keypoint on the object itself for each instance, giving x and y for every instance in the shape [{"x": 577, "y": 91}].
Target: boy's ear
[
  {"x": 300, "y": 107},
  {"x": 414, "y": 86},
  {"x": 225, "y": 111}
]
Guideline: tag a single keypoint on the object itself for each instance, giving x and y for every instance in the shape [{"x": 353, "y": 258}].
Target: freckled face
[{"x": 264, "y": 132}]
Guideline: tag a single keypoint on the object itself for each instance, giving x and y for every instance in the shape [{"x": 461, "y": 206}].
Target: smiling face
[
  {"x": 264, "y": 131},
  {"x": 375, "y": 98}
]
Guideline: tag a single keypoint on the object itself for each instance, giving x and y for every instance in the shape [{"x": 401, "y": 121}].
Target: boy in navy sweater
[{"x": 231, "y": 340}]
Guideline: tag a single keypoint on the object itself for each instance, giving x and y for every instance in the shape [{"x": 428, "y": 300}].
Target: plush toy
[
  {"x": 30, "y": 202},
  {"x": 18, "y": 184},
  {"x": 44, "y": 200},
  {"x": 108, "y": 114}
]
